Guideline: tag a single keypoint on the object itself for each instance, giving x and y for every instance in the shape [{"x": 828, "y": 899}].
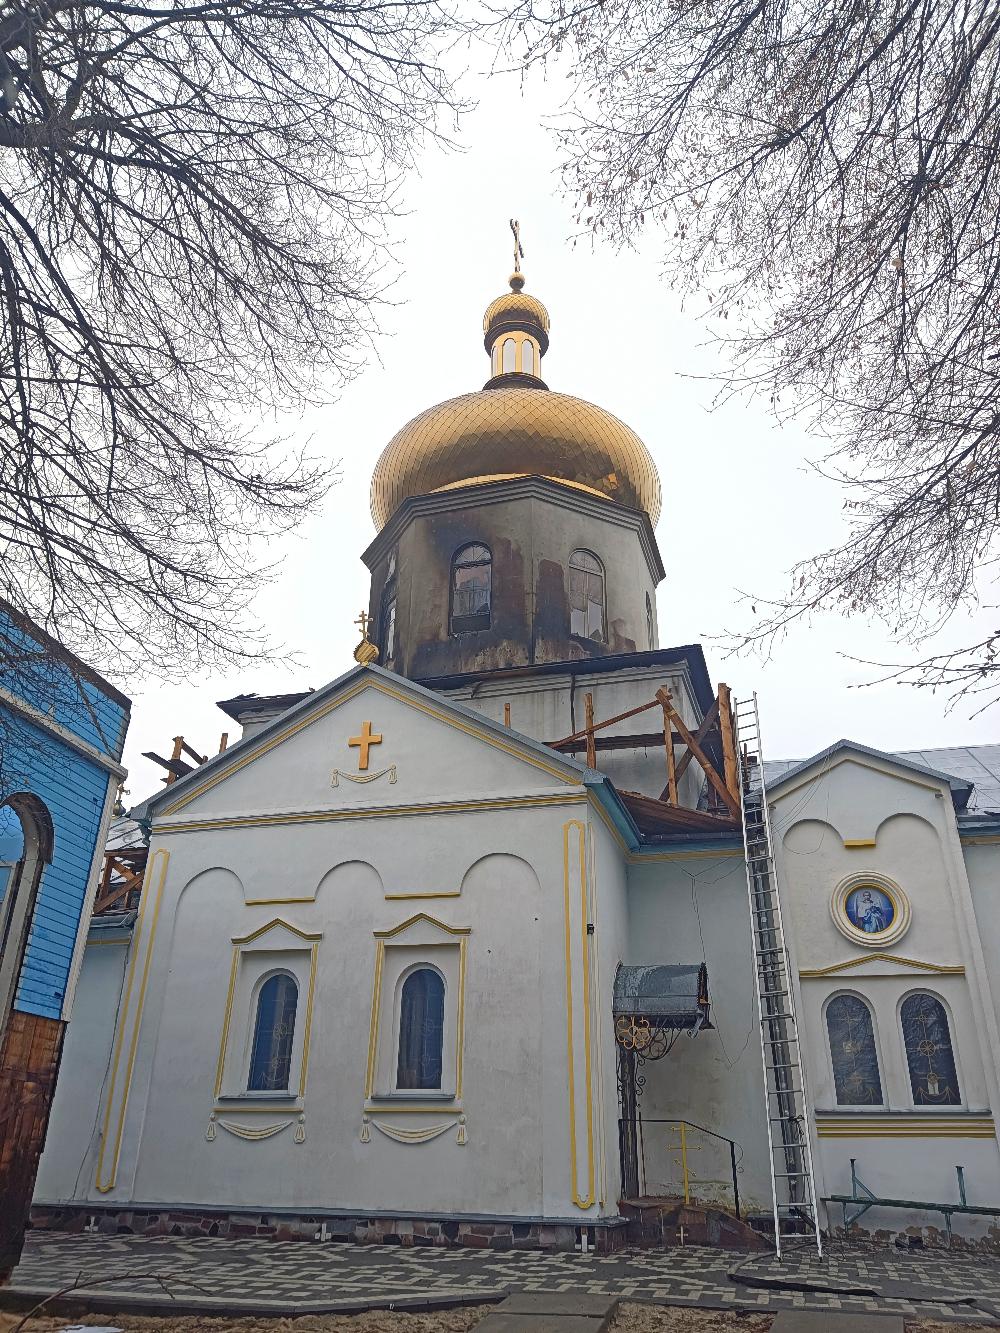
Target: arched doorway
[{"x": 26, "y": 842}]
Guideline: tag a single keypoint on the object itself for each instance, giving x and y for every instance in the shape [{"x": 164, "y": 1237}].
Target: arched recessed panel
[
  {"x": 273, "y": 1034},
  {"x": 853, "y": 1053},
  {"x": 929, "y": 1054},
  {"x": 421, "y": 1030},
  {"x": 509, "y": 356},
  {"x": 528, "y": 366}
]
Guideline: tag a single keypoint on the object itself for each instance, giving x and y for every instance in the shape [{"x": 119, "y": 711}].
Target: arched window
[
  {"x": 649, "y": 621},
  {"x": 586, "y": 596},
  {"x": 26, "y": 845},
  {"x": 421, "y": 1030},
  {"x": 929, "y": 1054},
  {"x": 527, "y": 357},
  {"x": 273, "y": 1032},
  {"x": 495, "y": 359},
  {"x": 853, "y": 1052},
  {"x": 387, "y": 626},
  {"x": 471, "y": 588},
  {"x": 509, "y": 354}
]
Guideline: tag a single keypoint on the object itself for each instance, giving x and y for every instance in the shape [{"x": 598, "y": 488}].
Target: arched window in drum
[
  {"x": 586, "y": 597},
  {"x": 471, "y": 588}
]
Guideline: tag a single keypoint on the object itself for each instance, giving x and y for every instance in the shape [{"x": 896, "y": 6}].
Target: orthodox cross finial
[
  {"x": 366, "y": 651},
  {"x": 515, "y": 227},
  {"x": 517, "y": 277}
]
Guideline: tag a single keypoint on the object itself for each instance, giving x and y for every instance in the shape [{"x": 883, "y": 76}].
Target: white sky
[{"x": 740, "y": 505}]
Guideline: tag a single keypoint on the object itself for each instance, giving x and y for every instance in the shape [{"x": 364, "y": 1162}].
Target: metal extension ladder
[{"x": 786, "y": 1102}]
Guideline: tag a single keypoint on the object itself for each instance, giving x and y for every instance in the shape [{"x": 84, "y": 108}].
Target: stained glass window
[
  {"x": 471, "y": 589},
  {"x": 421, "y": 1030},
  {"x": 586, "y": 596},
  {"x": 929, "y": 1053},
  {"x": 853, "y": 1052},
  {"x": 274, "y": 1029}
]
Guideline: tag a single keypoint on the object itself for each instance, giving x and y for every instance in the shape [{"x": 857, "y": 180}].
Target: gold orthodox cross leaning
[
  {"x": 515, "y": 227},
  {"x": 363, "y": 743}
]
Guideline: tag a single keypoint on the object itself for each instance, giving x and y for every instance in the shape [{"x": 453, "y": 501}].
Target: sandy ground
[{"x": 631, "y": 1319}]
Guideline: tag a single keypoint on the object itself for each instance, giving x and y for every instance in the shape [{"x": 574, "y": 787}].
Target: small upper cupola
[{"x": 516, "y": 328}]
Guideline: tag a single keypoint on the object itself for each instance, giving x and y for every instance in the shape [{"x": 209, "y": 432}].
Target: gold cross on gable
[
  {"x": 362, "y": 623},
  {"x": 363, "y": 743},
  {"x": 515, "y": 227}
]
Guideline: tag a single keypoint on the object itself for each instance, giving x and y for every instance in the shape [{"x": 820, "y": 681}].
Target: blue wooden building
[{"x": 62, "y": 730}]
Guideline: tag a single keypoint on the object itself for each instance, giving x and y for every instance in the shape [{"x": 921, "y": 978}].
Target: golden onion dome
[
  {"x": 513, "y": 432},
  {"x": 515, "y": 427}
]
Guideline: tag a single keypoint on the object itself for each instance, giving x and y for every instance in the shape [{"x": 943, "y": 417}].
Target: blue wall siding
[
  {"x": 55, "y": 689},
  {"x": 74, "y": 789}
]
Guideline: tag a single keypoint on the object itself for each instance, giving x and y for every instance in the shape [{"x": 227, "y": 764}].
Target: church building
[{"x": 510, "y": 929}]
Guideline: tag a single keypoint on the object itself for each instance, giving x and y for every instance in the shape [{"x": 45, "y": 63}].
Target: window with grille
[
  {"x": 853, "y": 1052},
  {"x": 929, "y": 1054}
]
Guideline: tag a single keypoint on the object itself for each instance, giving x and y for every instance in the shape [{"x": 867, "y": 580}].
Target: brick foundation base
[
  {"x": 29, "y": 1063},
  {"x": 605, "y": 1236}
]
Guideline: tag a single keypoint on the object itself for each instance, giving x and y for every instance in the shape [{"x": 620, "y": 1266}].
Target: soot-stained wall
[{"x": 532, "y": 526}]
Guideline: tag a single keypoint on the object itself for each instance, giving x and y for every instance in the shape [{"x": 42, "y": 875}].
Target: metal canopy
[{"x": 671, "y": 995}]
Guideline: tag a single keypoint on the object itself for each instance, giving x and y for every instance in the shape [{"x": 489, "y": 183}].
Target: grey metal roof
[
  {"x": 674, "y": 991},
  {"x": 978, "y": 765}
]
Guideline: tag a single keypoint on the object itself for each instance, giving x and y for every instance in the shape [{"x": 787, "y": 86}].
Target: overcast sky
[{"x": 740, "y": 503}]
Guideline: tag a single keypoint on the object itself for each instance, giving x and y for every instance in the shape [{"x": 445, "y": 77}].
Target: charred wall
[{"x": 531, "y": 527}]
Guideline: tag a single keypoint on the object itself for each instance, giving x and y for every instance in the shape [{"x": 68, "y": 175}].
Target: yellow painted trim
[
  {"x": 275, "y": 902},
  {"x": 460, "y": 1020},
  {"x": 106, "y": 1182},
  {"x": 479, "y": 733},
  {"x": 105, "y": 944},
  {"x": 262, "y": 930},
  {"x": 421, "y": 916},
  {"x": 226, "y": 1018},
  {"x": 235, "y": 1109},
  {"x": 586, "y": 1201},
  {"x": 371, "y": 812},
  {"x": 304, "y": 1069},
  {"x": 859, "y": 842},
  {"x": 413, "y": 1110},
  {"x": 940, "y": 968},
  {"x": 418, "y": 895},
  {"x": 373, "y": 1025}
]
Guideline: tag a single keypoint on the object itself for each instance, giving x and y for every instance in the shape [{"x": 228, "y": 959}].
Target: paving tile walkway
[{"x": 287, "y": 1278}]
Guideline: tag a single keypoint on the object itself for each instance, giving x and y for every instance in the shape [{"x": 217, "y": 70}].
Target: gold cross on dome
[
  {"x": 363, "y": 743},
  {"x": 362, "y": 623}
]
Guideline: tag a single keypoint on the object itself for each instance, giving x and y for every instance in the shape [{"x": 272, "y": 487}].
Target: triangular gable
[
  {"x": 843, "y": 751},
  {"x": 427, "y": 751}
]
